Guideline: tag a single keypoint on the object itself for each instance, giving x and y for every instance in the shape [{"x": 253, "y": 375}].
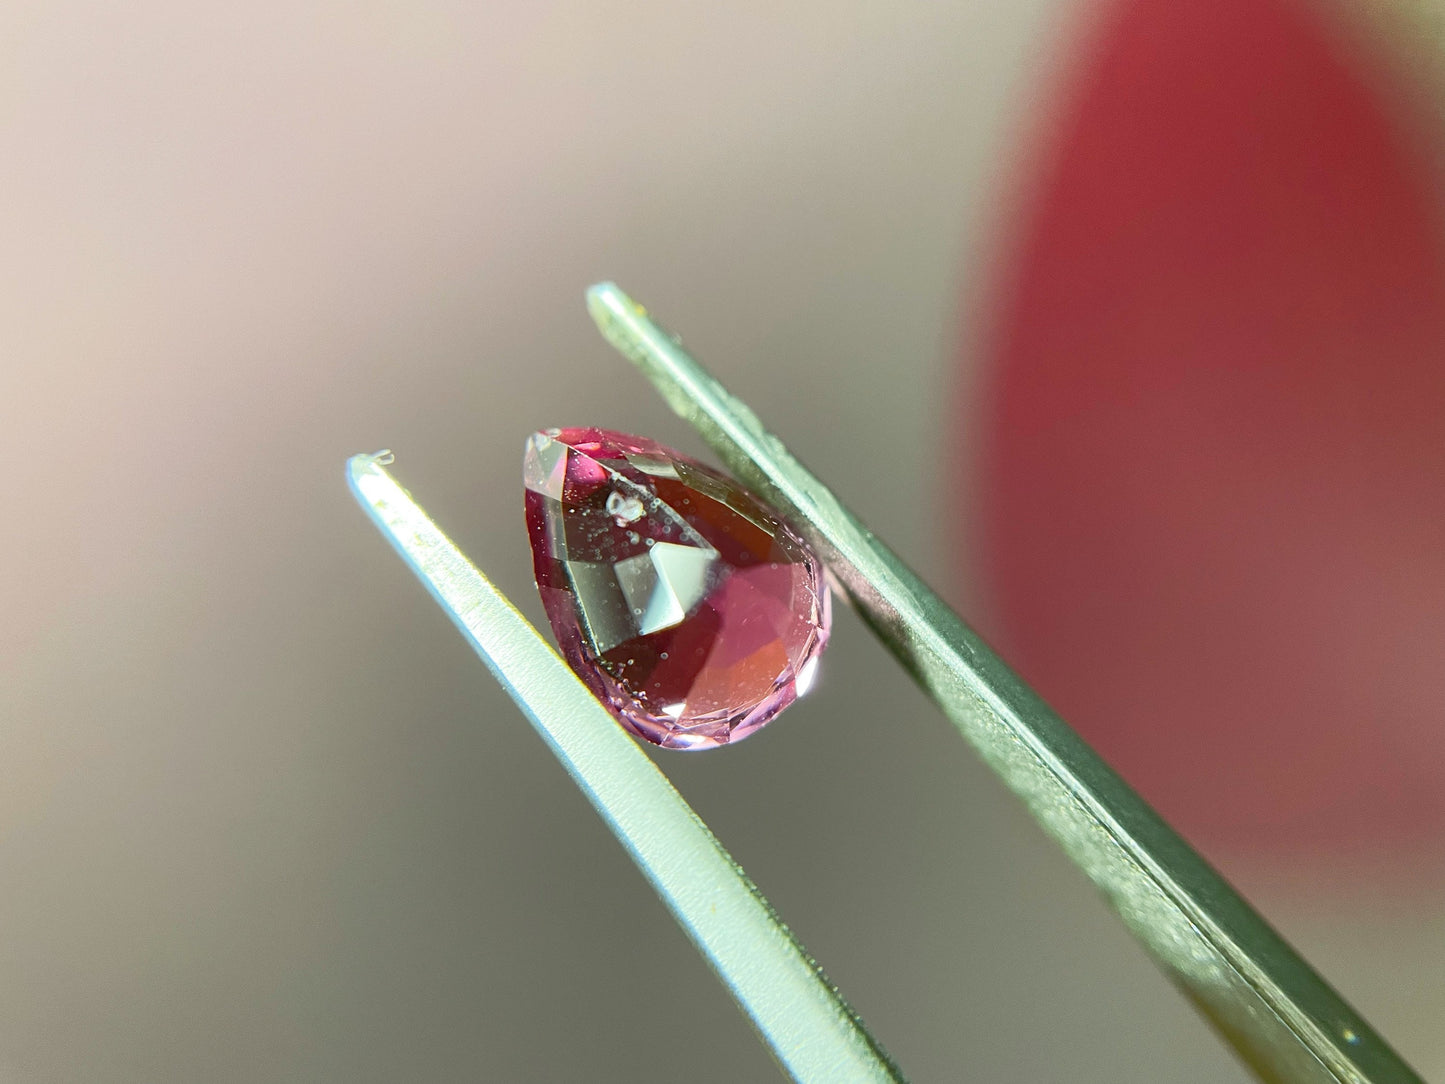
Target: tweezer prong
[
  {"x": 1269, "y": 1004},
  {"x": 801, "y": 1016}
]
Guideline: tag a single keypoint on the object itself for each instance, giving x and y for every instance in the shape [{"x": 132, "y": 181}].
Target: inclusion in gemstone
[{"x": 691, "y": 610}]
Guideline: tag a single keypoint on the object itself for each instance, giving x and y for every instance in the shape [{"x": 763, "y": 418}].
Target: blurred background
[{"x": 1121, "y": 321}]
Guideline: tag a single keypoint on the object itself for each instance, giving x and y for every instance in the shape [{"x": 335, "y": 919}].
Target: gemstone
[{"x": 681, "y": 600}]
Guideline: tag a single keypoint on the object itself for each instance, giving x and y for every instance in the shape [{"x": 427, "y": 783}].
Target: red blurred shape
[{"x": 1214, "y": 496}]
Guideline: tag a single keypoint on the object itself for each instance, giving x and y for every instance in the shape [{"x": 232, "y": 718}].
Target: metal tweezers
[{"x": 1282, "y": 1019}]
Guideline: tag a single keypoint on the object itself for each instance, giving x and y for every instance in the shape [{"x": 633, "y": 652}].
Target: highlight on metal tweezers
[{"x": 1283, "y": 1020}]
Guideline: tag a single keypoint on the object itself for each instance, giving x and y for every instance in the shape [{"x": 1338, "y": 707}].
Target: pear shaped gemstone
[{"x": 691, "y": 610}]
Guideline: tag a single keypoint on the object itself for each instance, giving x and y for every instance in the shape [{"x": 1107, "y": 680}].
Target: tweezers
[{"x": 1281, "y": 1018}]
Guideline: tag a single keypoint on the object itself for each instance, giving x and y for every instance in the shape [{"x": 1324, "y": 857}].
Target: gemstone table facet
[{"x": 684, "y": 603}]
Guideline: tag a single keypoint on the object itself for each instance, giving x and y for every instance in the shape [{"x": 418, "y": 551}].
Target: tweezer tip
[
  {"x": 605, "y": 295},
  {"x": 367, "y": 466},
  {"x": 607, "y": 304}
]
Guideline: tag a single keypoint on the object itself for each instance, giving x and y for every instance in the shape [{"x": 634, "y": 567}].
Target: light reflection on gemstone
[
  {"x": 682, "y": 601},
  {"x": 807, "y": 674}
]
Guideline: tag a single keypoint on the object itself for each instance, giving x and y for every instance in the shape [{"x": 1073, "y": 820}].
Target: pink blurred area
[{"x": 1213, "y": 514}]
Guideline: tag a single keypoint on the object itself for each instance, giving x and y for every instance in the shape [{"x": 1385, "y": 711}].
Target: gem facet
[{"x": 691, "y": 610}]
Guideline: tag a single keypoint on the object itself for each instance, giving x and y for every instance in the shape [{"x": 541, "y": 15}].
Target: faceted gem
[{"x": 691, "y": 610}]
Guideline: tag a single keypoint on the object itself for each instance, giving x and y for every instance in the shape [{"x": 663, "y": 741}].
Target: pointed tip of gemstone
[{"x": 691, "y": 610}]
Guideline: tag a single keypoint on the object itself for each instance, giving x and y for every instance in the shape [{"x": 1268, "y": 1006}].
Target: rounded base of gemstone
[{"x": 681, "y": 600}]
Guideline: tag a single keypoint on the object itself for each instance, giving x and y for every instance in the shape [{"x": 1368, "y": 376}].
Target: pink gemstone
[{"x": 690, "y": 609}]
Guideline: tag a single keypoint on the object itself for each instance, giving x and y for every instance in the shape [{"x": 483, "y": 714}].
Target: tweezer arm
[
  {"x": 1279, "y": 1015},
  {"x": 801, "y": 1016}
]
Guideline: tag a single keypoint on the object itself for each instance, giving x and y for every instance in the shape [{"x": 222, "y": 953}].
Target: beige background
[{"x": 262, "y": 816}]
